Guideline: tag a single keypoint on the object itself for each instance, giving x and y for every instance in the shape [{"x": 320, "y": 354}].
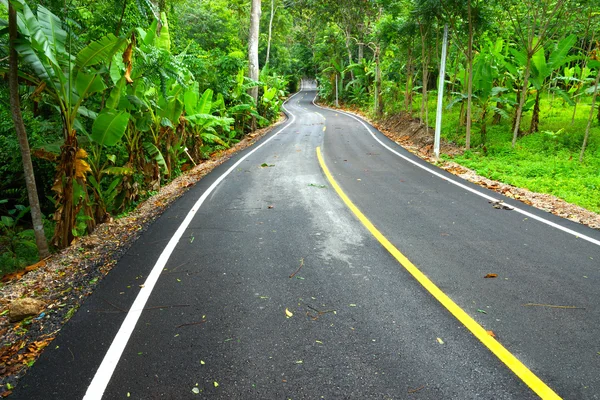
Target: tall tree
[
  {"x": 15, "y": 107},
  {"x": 534, "y": 22},
  {"x": 253, "y": 70},
  {"x": 270, "y": 31}
]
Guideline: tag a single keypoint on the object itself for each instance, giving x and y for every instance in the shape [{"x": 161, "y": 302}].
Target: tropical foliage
[{"x": 118, "y": 105}]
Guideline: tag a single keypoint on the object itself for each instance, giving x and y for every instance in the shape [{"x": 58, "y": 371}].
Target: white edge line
[
  {"x": 104, "y": 373},
  {"x": 463, "y": 186}
]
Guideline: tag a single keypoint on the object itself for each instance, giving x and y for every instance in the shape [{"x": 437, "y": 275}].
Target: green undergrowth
[{"x": 544, "y": 162}]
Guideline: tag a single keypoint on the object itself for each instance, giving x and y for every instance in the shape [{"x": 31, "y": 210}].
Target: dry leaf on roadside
[{"x": 491, "y": 276}]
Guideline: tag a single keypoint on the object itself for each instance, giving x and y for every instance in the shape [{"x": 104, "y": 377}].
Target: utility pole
[
  {"x": 441, "y": 81},
  {"x": 337, "y": 103}
]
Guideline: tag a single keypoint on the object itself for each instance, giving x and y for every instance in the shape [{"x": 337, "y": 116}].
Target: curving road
[{"x": 352, "y": 321}]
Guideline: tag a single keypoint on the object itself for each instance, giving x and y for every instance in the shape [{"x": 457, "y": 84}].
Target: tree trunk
[
  {"x": 535, "y": 117},
  {"x": 425, "y": 61},
  {"x": 523, "y": 96},
  {"x": 270, "y": 31},
  {"x": 498, "y": 116},
  {"x": 591, "y": 117},
  {"x": 378, "y": 109},
  {"x": 253, "y": 51},
  {"x": 15, "y": 108},
  {"x": 65, "y": 214},
  {"x": 253, "y": 46},
  {"x": 409, "y": 77},
  {"x": 469, "y": 80},
  {"x": 349, "y": 53},
  {"x": 361, "y": 51},
  {"x": 120, "y": 24},
  {"x": 484, "y": 126}
]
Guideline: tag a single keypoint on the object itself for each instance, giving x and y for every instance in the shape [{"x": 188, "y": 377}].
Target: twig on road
[
  {"x": 173, "y": 306},
  {"x": 553, "y": 306},
  {"x": 319, "y": 312},
  {"x": 416, "y": 390},
  {"x": 144, "y": 309},
  {"x": 299, "y": 268},
  {"x": 111, "y": 304},
  {"x": 191, "y": 323}
]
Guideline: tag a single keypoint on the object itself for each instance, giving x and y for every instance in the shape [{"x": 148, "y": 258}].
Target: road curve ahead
[{"x": 269, "y": 280}]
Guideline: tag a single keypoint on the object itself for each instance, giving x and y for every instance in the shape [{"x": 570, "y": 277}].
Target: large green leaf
[
  {"x": 37, "y": 37},
  {"x": 483, "y": 81},
  {"x": 115, "y": 94},
  {"x": 163, "y": 41},
  {"x": 205, "y": 121},
  {"x": 52, "y": 28},
  {"x": 520, "y": 57},
  {"x": 156, "y": 155},
  {"x": 558, "y": 56},
  {"x": 205, "y": 103},
  {"x": 212, "y": 138},
  {"x": 172, "y": 110},
  {"x": 564, "y": 95},
  {"x": 540, "y": 67},
  {"x": 39, "y": 64},
  {"x": 99, "y": 51},
  {"x": 190, "y": 101},
  {"x": 86, "y": 84},
  {"x": 109, "y": 127},
  {"x": 150, "y": 35}
]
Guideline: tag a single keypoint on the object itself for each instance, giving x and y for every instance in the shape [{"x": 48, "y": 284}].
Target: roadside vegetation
[{"x": 117, "y": 98}]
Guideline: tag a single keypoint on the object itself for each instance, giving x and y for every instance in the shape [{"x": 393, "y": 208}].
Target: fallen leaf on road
[
  {"x": 267, "y": 165},
  {"x": 195, "y": 390},
  {"x": 440, "y": 341},
  {"x": 491, "y": 333},
  {"x": 202, "y": 362},
  {"x": 491, "y": 276},
  {"x": 270, "y": 207},
  {"x": 481, "y": 311},
  {"x": 216, "y": 384},
  {"x": 299, "y": 362},
  {"x": 288, "y": 313}
]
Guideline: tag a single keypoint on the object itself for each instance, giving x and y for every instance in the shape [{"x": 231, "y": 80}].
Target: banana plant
[
  {"x": 542, "y": 69},
  {"x": 487, "y": 95},
  {"x": 69, "y": 79},
  {"x": 242, "y": 105},
  {"x": 201, "y": 121}
]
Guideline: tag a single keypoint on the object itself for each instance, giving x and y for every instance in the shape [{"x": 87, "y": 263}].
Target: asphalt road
[{"x": 224, "y": 318}]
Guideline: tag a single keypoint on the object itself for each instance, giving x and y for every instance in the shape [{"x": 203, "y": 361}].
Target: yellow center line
[{"x": 516, "y": 366}]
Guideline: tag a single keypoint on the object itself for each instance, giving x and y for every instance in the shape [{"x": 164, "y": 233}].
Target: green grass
[{"x": 545, "y": 162}]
